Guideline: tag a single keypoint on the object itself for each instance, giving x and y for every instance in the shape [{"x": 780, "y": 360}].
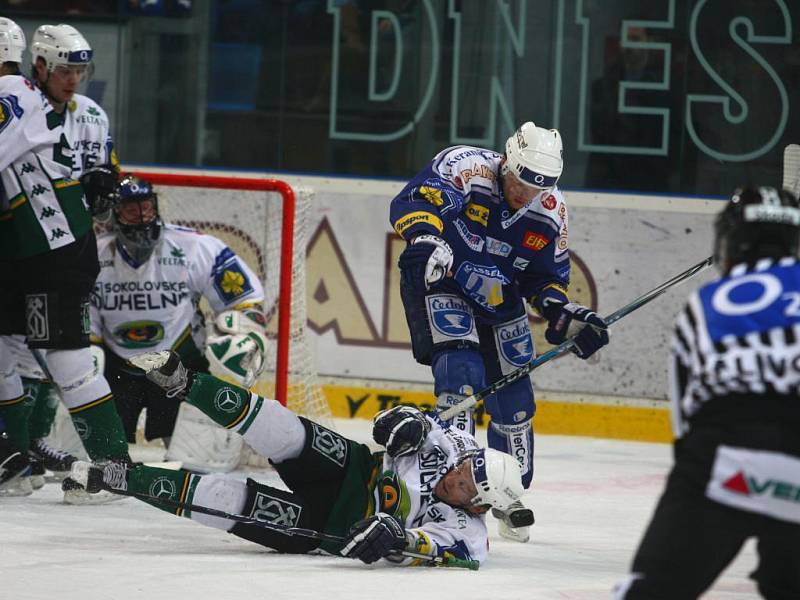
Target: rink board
[{"x": 622, "y": 246}]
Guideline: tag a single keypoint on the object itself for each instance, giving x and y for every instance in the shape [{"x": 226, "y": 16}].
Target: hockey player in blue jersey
[
  {"x": 486, "y": 232},
  {"x": 735, "y": 392}
]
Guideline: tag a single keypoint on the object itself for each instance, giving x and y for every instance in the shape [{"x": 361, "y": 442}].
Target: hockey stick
[
  {"x": 437, "y": 561},
  {"x": 791, "y": 169},
  {"x": 567, "y": 345}
]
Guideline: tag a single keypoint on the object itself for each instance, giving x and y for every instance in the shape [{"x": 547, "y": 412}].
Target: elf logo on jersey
[
  {"x": 746, "y": 485},
  {"x": 450, "y": 315},
  {"x": 534, "y": 241},
  {"x": 138, "y": 334},
  {"x": 9, "y": 108}
]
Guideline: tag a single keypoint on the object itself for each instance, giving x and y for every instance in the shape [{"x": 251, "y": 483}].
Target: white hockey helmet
[
  {"x": 12, "y": 41},
  {"x": 61, "y": 45},
  {"x": 535, "y": 155},
  {"x": 497, "y": 477}
]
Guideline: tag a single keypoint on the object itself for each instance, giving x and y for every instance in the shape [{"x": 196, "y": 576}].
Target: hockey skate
[
  {"x": 14, "y": 470},
  {"x": 89, "y": 483},
  {"x": 164, "y": 368},
  {"x": 514, "y": 523},
  {"x": 53, "y": 459}
]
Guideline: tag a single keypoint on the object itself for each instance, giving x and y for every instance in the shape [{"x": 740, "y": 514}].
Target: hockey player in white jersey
[
  {"x": 62, "y": 61},
  {"x": 49, "y": 255},
  {"x": 428, "y": 492},
  {"x": 152, "y": 278}
]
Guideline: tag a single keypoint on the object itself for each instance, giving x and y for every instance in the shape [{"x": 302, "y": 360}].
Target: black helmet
[
  {"x": 758, "y": 222},
  {"x": 136, "y": 221}
]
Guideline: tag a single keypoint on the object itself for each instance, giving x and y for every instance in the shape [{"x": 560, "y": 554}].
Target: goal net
[{"x": 264, "y": 222}]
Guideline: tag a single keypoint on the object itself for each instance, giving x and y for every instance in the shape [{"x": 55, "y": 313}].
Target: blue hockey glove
[
  {"x": 593, "y": 335},
  {"x": 401, "y": 430},
  {"x": 426, "y": 260},
  {"x": 375, "y": 537}
]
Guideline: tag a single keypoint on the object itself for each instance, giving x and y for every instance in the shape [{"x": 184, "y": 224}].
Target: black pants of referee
[{"x": 691, "y": 539}]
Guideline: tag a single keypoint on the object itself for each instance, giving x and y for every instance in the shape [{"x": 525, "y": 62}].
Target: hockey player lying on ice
[{"x": 427, "y": 492}]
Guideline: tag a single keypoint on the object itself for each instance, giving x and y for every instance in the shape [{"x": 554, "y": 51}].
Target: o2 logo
[{"x": 753, "y": 293}]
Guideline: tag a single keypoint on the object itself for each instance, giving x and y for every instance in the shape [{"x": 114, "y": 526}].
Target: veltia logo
[{"x": 750, "y": 486}]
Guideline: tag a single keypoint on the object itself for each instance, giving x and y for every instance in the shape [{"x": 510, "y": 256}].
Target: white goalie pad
[{"x": 202, "y": 445}]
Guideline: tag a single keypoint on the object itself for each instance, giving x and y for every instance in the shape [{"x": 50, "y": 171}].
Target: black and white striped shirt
[{"x": 736, "y": 343}]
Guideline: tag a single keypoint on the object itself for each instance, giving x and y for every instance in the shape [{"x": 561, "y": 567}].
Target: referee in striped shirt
[{"x": 735, "y": 394}]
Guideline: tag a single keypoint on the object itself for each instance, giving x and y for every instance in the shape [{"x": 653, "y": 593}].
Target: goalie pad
[
  {"x": 239, "y": 351},
  {"x": 202, "y": 445}
]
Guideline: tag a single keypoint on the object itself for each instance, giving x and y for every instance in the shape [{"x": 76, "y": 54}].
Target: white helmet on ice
[
  {"x": 60, "y": 45},
  {"x": 497, "y": 477},
  {"x": 12, "y": 41},
  {"x": 535, "y": 155}
]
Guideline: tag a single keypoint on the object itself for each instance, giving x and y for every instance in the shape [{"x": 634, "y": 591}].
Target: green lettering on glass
[
  {"x": 496, "y": 94},
  {"x": 377, "y": 16},
  {"x": 725, "y": 101},
  {"x": 333, "y": 130},
  {"x": 624, "y": 86}
]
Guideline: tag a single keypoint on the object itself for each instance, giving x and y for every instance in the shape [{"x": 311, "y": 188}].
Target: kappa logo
[
  {"x": 270, "y": 509},
  {"x": 330, "y": 445},
  {"x": 450, "y": 315},
  {"x": 36, "y": 317},
  {"x": 227, "y": 400},
  {"x": 162, "y": 488}
]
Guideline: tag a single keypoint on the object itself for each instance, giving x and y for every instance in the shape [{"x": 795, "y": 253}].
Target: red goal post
[{"x": 228, "y": 207}]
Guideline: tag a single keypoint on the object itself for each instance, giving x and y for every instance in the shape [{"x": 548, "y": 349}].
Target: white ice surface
[{"x": 592, "y": 499}]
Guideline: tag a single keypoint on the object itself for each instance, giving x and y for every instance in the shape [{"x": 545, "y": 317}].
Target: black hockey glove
[
  {"x": 100, "y": 186},
  {"x": 401, "y": 430},
  {"x": 592, "y": 336},
  {"x": 375, "y": 537},
  {"x": 426, "y": 260}
]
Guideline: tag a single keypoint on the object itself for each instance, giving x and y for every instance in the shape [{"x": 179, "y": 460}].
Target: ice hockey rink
[{"x": 592, "y": 499}]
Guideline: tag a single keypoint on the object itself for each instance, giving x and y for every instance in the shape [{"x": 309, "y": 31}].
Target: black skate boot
[
  {"x": 53, "y": 459},
  {"x": 14, "y": 470}
]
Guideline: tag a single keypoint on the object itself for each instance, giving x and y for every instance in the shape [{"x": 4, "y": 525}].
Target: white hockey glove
[
  {"x": 240, "y": 348},
  {"x": 426, "y": 260}
]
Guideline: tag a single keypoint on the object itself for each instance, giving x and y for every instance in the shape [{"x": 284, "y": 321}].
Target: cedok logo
[
  {"x": 746, "y": 485},
  {"x": 450, "y": 315},
  {"x": 514, "y": 341}
]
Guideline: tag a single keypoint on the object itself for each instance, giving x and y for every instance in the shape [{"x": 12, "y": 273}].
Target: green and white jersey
[
  {"x": 87, "y": 129},
  {"x": 153, "y": 306},
  {"x": 41, "y": 207}
]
